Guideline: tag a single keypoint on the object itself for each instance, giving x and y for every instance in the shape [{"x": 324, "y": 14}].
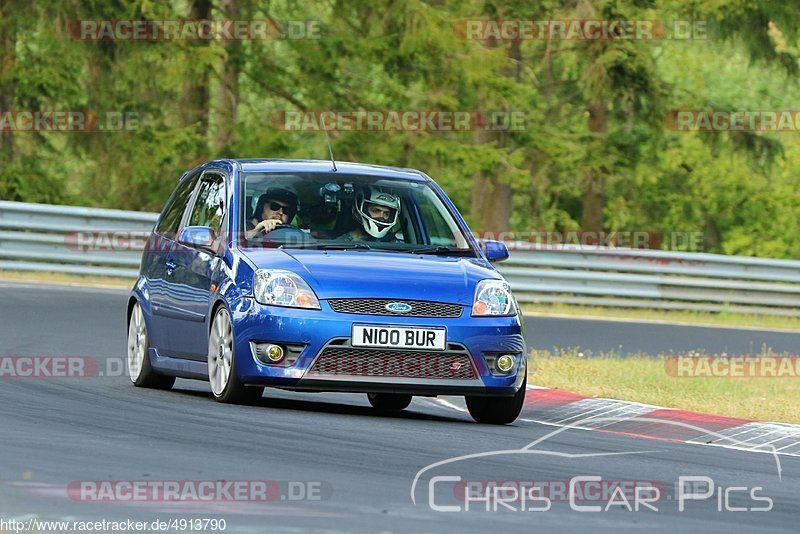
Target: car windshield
[{"x": 340, "y": 211}]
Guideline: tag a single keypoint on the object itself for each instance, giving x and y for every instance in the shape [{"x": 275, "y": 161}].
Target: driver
[
  {"x": 377, "y": 212},
  {"x": 276, "y": 206}
]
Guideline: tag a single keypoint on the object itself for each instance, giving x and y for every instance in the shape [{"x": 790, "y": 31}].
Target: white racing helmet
[{"x": 377, "y": 227}]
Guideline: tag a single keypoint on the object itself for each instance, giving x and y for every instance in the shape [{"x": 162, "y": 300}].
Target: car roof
[{"x": 317, "y": 165}]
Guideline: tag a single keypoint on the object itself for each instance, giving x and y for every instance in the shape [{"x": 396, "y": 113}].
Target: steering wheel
[{"x": 287, "y": 234}]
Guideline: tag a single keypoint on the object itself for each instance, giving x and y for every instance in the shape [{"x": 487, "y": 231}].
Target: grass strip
[
  {"x": 731, "y": 319},
  {"x": 644, "y": 378}
]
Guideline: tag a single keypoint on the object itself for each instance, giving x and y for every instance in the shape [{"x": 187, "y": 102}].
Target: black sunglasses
[{"x": 275, "y": 206}]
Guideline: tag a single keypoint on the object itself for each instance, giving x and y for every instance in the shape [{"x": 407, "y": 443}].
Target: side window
[
  {"x": 209, "y": 208},
  {"x": 168, "y": 225},
  {"x": 440, "y": 227}
]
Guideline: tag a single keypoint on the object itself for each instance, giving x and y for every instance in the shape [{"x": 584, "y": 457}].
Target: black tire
[
  {"x": 497, "y": 410},
  {"x": 234, "y": 391},
  {"x": 241, "y": 394},
  {"x": 140, "y": 371},
  {"x": 389, "y": 402}
]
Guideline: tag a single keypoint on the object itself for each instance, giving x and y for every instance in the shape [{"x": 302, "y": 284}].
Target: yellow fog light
[
  {"x": 275, "y": 353},
  {"x": 505, "y": 363}
]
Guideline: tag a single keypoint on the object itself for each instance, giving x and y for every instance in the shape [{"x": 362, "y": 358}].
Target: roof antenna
[{"x": 330, "y": 150}]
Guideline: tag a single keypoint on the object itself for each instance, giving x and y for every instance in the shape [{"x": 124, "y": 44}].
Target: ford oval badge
[{"x": 398, "y": 307}]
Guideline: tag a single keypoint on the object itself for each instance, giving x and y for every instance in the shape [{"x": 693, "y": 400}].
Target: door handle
[{"x": 171, "y": 265}]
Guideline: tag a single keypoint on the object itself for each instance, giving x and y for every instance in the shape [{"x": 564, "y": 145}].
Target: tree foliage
[{"x": 594, "y": 153}]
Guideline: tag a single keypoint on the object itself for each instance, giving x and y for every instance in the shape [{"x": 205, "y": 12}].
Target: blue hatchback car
[{"x": 320, "y": 276}]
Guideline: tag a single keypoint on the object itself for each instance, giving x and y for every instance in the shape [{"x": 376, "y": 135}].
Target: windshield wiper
[
  {"x": 345, "y": 246},
  {"x": 363, "y": 246},
  {"x": 330, "y": 246},
  {"x": 439, "y": 250}
]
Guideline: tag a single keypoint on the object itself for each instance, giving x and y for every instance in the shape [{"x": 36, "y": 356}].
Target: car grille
[
  {"x": 419, "y": 308},
  {"x": 392, "y": 364}
]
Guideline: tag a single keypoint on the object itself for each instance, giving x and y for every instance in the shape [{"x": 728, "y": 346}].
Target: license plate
[{"x": 399, "y": 337}]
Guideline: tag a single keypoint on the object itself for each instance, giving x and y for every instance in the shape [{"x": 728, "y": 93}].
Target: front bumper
[{"x": 317, "y": 330}]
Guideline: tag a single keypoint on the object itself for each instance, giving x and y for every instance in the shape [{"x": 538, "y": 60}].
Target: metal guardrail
[
  {"x": 653, "y": 279},
  {"x": 40, "y": 237}
]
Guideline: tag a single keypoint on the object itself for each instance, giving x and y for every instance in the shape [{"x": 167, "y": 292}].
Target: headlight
[
  {"x": 283, "y": 288},
  {"x": 493, "y": 298}
]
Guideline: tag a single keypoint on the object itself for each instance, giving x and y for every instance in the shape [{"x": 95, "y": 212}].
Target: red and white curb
[{"x": 564, "y": 409}]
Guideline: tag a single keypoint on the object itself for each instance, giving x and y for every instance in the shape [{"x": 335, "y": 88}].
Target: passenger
[{"x": 377, "y": 212}]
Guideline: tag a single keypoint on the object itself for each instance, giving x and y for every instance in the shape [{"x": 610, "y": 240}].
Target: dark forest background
[{"x": 594, "y": 154}]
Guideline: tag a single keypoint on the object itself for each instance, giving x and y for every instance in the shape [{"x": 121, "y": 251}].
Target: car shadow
[{"x": 325, "y": 406}]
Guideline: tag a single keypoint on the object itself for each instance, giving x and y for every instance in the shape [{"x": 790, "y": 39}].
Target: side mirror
[
  {"x": 495, "y": 250},
  {"x": 199, "y": 237}
]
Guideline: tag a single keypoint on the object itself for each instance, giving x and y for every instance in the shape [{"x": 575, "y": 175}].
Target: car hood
[{"x": 373, "y": 274}]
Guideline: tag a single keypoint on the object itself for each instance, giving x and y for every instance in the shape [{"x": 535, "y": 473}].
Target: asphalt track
[
  {"x": 627, "y": 338},
  {"x": 54, "y": 432}
]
